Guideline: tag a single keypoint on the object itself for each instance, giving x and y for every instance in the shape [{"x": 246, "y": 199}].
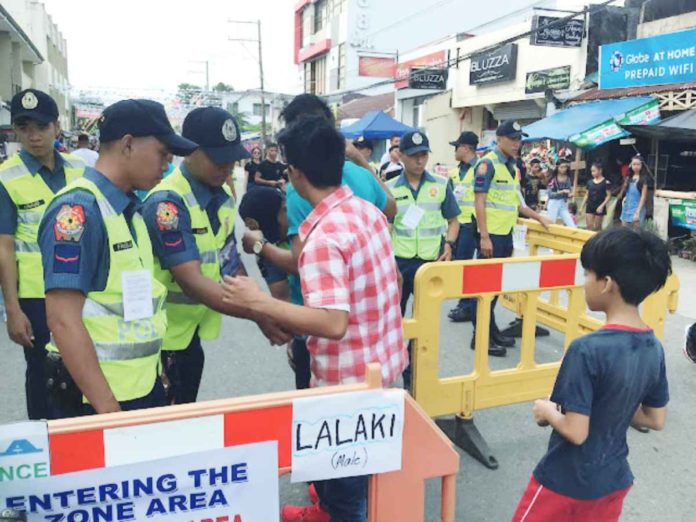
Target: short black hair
[
  {"x": 306, "y": 105},
  {"x": 637, "y": 260},
  {"x": 83, "y": 138},
  {"x": 271, "y": 146},
  {"x": 535, "y": 160},
  {"x": 598, "y": 165},
  {"x": 315, "y": 147}
]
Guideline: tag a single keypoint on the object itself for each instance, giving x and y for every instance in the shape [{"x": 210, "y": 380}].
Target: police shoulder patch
[
  {"x": 482, "y": 168},
  {"x": 70, "y": 223},
  {"x": 167, "y": 216}
]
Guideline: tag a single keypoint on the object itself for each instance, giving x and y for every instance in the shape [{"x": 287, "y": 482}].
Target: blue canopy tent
[
  {"x": 375, "y": 125},
  {"x": 591, "y": 124}
]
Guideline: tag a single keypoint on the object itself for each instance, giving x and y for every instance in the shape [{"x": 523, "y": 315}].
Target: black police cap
[
  {"x": 466, "y": 138},
  {"x": 142, "y": 118},
  {"x": 362, "y": 143},
  {"x": 35, "y": 105},
  {"x": 217, "y": 133},
  {"x": 510, "y": 129},
  {"x": 414, "y": 142}
]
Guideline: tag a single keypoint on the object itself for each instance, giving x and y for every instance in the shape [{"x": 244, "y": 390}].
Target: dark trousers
[
  {"x": 345, "y": 499},
  {"x": 300, "y": 357},
  {"x": 35, "y": 376},
  {"x": 466, "y": 247},
  {"x": 408, "y": 269},
  {"x": 502, "y": 247},
  {"x": 184, "y": 369},
  {"x": 154, "y": 399}
]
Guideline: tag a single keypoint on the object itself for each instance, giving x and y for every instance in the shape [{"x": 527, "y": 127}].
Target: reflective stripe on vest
[
  {"x": 425, "y": 240},
  {"x": 186, "y": 314},
  {"x": 128, "y": 351},
  {"x": 31, "y": 197},
  {"x": 502, "y": 200}
]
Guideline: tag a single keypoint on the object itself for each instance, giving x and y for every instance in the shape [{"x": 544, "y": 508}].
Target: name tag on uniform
[
  {"x": 412, "y": 217},
  {"x": 137, "y": 295},
  {"x": 459, "y": 191},
  {"x": 202, "y": 230},
  {"x": 125, "y": 245},
  {"x": 32, "y": 205}
]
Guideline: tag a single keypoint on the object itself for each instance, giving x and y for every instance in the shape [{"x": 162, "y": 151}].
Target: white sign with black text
[{"x": 347, "y": 435}]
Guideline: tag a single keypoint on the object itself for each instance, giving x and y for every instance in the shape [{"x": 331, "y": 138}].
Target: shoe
[
  {"x": 313, "y": 495},
  {"x": 502, "y": 340},
  {"x": 304, "y": 514},
  {"x": 460, "y": 315},
  {"x": 493, "y": 349}
]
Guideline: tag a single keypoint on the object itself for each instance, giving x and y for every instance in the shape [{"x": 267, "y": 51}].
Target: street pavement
[{"x": 241, "y": 362}]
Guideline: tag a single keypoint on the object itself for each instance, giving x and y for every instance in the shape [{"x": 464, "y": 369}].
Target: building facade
[{"x": 33, "y": 53}]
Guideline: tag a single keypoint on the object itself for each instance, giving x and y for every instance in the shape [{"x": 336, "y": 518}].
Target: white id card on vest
[
  {"x": 412, "y": 217},
  {"x": 137, "y": 295}
]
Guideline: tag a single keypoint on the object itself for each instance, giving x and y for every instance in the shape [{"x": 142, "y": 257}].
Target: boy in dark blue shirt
[{"x": 609, "y": 379}]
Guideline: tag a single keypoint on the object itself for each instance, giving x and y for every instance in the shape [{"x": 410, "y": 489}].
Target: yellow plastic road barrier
[{"x": 551, "y": 313}]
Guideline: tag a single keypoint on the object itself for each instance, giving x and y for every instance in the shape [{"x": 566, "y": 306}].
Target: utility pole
[{"x": 260, "y": 60}]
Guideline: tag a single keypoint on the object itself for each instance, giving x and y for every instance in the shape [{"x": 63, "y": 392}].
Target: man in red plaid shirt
[{"x": 352, "y": 313}]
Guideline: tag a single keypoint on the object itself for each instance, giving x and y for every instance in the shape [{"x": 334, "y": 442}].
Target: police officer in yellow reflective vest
[
  {"x": 105, "y": 309},
  {"x": 426, "y": 214},
  {"x": 28, "y": 183},
  {"x": 462, "y": 178},
  {"x": 498, "y": 202},
  {"x": 190, "y": 216}
]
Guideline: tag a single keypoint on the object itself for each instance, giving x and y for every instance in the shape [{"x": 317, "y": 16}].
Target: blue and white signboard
[{"x": 657, "y": 60}]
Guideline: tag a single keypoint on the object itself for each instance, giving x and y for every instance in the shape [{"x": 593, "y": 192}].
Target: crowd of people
[{"x": 111, "y": 296}]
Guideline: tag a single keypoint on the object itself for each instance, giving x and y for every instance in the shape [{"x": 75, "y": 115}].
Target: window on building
[
  {"x": 257, "y": 109},
  {"x": 306, "y": 26},
  {"x": 342, "y": 66},
  {"x": 320, "y": 15},
  {"x": 336, "y": 7},
  {"x": 233, "y": 107},
  {"x": 315, "y": 76}
]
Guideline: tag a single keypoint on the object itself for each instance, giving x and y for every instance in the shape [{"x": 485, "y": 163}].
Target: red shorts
[{"x": 540, "y": 504}]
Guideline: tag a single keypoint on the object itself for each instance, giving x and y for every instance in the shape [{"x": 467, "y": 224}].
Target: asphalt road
[{"x": 241, "y": 362}]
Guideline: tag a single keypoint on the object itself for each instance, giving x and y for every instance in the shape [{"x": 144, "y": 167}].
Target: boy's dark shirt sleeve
[
  {"x": 658, "y": 397},
  {"x": 574, "y": 388}
]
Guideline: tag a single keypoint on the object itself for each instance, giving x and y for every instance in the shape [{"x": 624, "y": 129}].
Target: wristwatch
[
  {"x": 258, "y": 246},
  {"x": 451, "y": 243}
]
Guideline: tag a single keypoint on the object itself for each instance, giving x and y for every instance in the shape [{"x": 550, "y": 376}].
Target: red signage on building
[
  {"x": 403, "y": 69},
  {"x": 376, "y": 66}
]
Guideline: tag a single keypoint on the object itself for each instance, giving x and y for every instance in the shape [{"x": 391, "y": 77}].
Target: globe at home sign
[{"x": 663, "y": 59}]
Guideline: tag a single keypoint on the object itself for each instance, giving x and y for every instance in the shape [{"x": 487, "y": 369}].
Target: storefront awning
[
  {"x": 681, "y": 127},
  {"x": 588, "y": 125}
]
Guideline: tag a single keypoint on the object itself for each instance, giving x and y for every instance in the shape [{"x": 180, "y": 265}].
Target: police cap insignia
[{"x": 30, "y": 101}]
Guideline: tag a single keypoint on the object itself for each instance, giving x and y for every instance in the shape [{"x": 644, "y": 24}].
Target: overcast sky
[{"x": 156, "y": 44}]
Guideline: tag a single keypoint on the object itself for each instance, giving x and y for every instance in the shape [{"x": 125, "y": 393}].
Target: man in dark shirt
[
  {"x": 271, "y": 171},
  {"x": 609, "y": 379}
]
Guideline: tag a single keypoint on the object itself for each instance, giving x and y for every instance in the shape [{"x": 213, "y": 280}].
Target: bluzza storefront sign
[
  {"x": 658, "y": 60},
  {"x": 498, "y": 65}
]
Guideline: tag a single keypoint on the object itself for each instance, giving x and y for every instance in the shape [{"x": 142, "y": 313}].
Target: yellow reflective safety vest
[
  {"x": 425, "y": 240},
  {"x": 503, "y": 200},
  {"x": 31, "y": 197},
  {"x": 184, "y": 313},
  {"x": 464, "y": 193},
  {"x": 128, "y": 351}
]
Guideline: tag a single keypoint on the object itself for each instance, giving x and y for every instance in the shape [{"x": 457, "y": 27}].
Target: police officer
[
  {"x": 426, "y": 212},
  {"x": 497, "y": 203},
  {"x": 28, "y": 183},
  {"x": 190, "y": 217},
  {"x": 462, "y": 178},
  {"x": 105, "y": 309},
  {"x": 366, "y": 148}
]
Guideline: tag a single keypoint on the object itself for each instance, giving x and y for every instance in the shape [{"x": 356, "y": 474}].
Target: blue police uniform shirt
[
  {"x": 80, "y": 260},
  {"x": 176, "y": 246},
  {"x": 605, "y": 375},
  {"x": 363, "y": 184},
  {"x": 55, "y": 179},
  {"x": 485, "y": 171},
  {"x": 449, "y": 208}
]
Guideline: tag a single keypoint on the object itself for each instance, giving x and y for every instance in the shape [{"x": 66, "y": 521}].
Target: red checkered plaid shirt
[{"x": 347, "y": 263}]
